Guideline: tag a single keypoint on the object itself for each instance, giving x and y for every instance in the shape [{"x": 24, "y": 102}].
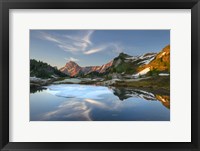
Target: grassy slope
[
  {"x": 123, "y": 66},
  {"x": 155, "y": 82},
  {"x": 161, "y": 62}
]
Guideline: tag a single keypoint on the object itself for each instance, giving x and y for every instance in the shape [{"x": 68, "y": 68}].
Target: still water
[{"x": 74, "y": 102}]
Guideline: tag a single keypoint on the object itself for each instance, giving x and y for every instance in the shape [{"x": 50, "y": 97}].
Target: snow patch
[
  {"x": 132, "y": 58},
  {"x": 163, "y": 74},
  {"x": 143, "y": 72},
  {"x": 162, "y": 54},
  {"x": 146, "y": 61}
]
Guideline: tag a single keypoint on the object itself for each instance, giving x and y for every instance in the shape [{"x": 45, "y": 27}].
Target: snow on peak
[{"x": 143, "y": 59}]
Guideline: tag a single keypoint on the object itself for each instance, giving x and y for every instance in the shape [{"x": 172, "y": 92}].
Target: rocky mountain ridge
[
  {"x": 71, "y": 68},
  {"x": 125, "y": 64}
]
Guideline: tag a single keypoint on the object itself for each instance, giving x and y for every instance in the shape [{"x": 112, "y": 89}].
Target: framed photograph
[{"x": 99, "y": 75}]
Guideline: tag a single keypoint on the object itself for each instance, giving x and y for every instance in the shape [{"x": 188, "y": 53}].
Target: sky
[{"x": 93, "y": 47}]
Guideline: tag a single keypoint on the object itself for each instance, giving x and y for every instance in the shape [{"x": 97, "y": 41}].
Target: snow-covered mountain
[
  {"x": 143, "y": 59},
  {"x": 127, "y": 64},
  {"x": 124, "y": 64}
]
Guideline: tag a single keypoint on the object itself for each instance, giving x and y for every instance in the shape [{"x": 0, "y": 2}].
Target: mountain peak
[
  {"x": 71, "y": 62},
  {"x": 71, "y": 68},
  {"x": 123, "y": 55}
]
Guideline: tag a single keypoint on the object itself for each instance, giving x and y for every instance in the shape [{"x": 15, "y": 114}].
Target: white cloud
[
  {"x": 72, "y": 59},
  {"x": 112, "y": 47},
  {"x": 68, "y": 48},
  {"x": 87, "y": 37},
  {"x": 70, "y": 43},
  {"x": 80, "y": 43},
  {"x": 51, "y": 38},
  {"x": 94, "y": 50}
]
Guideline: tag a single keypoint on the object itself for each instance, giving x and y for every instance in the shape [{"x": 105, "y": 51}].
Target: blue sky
[{"x": 93, "y": 47}]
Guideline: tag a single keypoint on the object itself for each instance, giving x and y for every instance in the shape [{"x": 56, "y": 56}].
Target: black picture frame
[{"x": 5, "y": 5}]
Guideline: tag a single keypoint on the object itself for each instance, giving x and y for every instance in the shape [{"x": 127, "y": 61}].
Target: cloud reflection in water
[{"x": 89, "y": 103}]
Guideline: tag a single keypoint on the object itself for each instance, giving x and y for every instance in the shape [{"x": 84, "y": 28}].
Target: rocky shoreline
[{"x": 154, "y": 84}]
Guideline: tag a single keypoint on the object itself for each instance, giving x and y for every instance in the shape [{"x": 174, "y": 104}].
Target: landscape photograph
[{"x": 99, "y": 75}]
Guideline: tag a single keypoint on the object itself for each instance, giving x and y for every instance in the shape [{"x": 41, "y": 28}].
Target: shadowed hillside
[{"x": 42, "y": 70}]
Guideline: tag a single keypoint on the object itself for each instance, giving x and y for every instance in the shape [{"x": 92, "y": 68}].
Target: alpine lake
[{"x": 81, "y": 102}]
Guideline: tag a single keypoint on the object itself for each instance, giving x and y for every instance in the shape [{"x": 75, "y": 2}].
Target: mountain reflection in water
[
  {"x": 69, "y": 102},
  {"x": 125, "y": 93}
]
